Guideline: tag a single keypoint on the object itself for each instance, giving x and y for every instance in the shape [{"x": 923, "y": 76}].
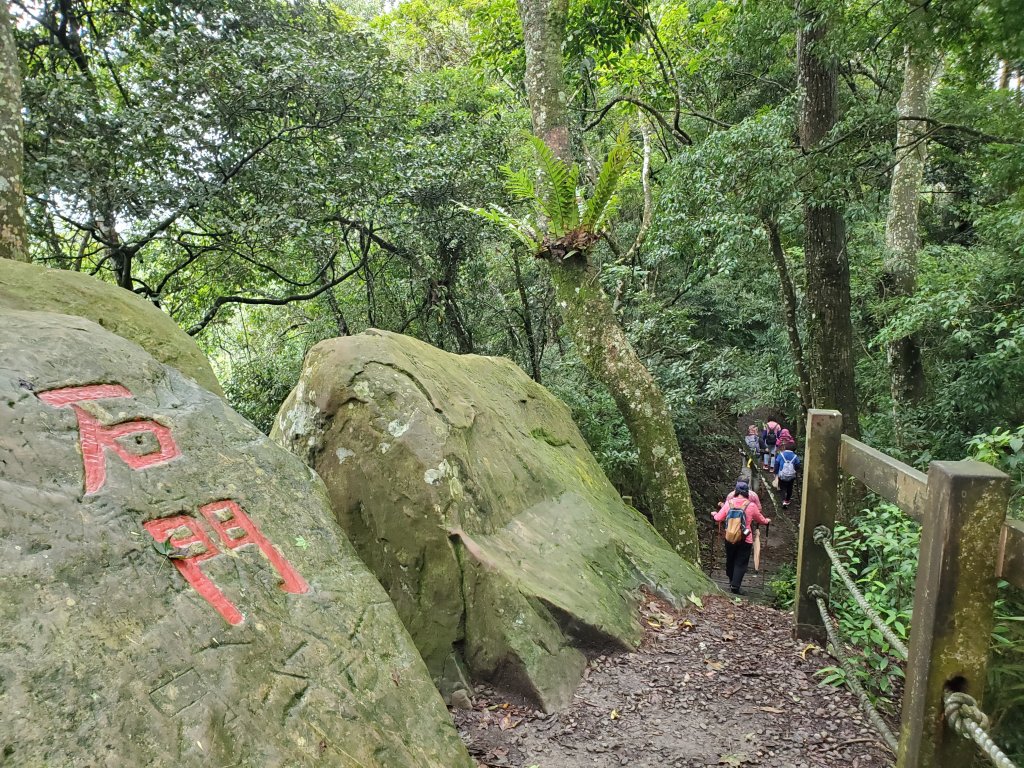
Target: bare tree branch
[
  {"x": 677, "y": 133},
  {"x": 222, "y": 300}
]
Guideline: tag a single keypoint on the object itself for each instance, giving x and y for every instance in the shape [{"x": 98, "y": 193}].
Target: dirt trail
[
  {"x": 721, "y": 685},
  {"x": 778, "y": 543}
]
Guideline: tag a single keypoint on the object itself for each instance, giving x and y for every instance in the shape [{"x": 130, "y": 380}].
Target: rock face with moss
[
  {"x": 468, "y": 490},
  {"x": 175, "y": 589},
  {"x": 31, "y": 287}
]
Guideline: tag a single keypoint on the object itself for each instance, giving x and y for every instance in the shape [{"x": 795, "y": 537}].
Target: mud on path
[{"x": 719, "y": 685}]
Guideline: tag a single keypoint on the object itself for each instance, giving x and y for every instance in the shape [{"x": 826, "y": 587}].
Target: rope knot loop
[
  {"x": 816, "y": 592},
  {"x": 822, "y": 534},
  {"x": 960, "y": 709}
]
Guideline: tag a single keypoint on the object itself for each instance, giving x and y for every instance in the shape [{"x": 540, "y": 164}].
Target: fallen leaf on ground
[{"x": 808, "y": 647}]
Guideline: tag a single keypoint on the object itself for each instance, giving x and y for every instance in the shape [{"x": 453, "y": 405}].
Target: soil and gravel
[
  {"x": 718, "y": 684},
  {"x": 723, "y": 684}
]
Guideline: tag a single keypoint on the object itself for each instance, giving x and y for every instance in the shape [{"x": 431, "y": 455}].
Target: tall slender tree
[
  {"x": 902, "y": 239},
  {"x": 789, "y": 307},
  {"x": 830, "y": 332},
  {"x": 587, "y": 310},
  {"x": 13, "y": 237}
]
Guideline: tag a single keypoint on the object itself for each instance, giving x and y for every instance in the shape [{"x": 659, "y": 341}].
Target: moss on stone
[
  {"x": 103, "y": 642},
  {"x": 470, "y": 493},
  {"x": 31, "y": 287}
]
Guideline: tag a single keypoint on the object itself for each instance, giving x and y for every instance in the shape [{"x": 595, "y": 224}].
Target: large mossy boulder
[
  {"x": 31, "y": 287},
  {"x": 467, "y": 488},
  {"x": 175, "y": 589}
]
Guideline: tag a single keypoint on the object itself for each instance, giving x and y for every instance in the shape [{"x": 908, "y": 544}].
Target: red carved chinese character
[
  {"x": 236, "y": 530},
  {"x": 97, "y": 438},
  {"x": 195, "y": 547}
]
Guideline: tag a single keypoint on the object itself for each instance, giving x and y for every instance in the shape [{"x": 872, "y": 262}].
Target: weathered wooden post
[
  {"x": 818, "y": 504},
  {"x": 953, "y": 617}
]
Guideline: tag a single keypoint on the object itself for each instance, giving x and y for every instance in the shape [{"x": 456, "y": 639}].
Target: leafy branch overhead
[{"x": 561, "y": 221}]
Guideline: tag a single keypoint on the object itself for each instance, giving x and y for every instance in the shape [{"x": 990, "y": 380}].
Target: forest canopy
[{"x": 272, "y": 174}]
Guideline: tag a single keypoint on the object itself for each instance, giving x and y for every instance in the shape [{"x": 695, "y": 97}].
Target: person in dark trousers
[
  {"x": 737, "y": 556},
  {"x": 786, "y": 465},
  {"x": 770, "y": 438}
]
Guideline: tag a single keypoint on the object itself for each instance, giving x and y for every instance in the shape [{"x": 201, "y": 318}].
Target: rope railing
[
  {"x": 865, "y": 702},
  {"x": 823, "y": 536},
  {"x": 964, "y": 717},
  {"x": 960, "y": 710}
]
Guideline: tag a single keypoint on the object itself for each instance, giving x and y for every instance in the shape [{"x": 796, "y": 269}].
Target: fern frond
[
  {"x": 559, "y": 189},
  {"x": 610, "y": 209},
  {"x": 570, "y": 209},
  {"x": 521, "y": 228},
  {"x": 607, "y": 181},
  {"x": 519, "y": 184}
]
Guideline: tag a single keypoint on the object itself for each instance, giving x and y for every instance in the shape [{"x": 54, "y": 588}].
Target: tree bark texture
[
  {"x": 587, "y": 311},
  {"x": 13, "y": 234},
  {"x": 830, "y": 357},
  {"x": 532, "y": 348},
  {"x": 902, "y": 241},
  {"x": 543, "y": 33},
  {"x": 789, "y": 308},
  {"x": 606, "y": 351}
]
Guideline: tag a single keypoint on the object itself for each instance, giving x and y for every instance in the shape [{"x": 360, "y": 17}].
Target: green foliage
[
  {"x": 558, "y": 206},
  {"x": 879, "y": 550},
  {"x": 601, "y": 201},
  {"x": 1005, "y": 696},
  {"x": 1004, "y": 450},
  {"x": 782, "y": 586}
]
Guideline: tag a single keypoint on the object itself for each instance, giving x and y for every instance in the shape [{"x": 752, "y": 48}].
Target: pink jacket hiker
[
  {"x": 755, "y": 500},
  {"x": 753, "y": 513}
]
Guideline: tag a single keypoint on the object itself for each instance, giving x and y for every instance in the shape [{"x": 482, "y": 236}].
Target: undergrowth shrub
[{"x": 879, "y": 549}]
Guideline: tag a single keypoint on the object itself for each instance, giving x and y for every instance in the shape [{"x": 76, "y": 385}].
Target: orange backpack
[{"x": 736, "y": 528}]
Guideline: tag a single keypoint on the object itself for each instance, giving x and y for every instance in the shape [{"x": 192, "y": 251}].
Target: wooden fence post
[
  {"x": 818, "y": 504},
  {"x": 952, "y": 621}
]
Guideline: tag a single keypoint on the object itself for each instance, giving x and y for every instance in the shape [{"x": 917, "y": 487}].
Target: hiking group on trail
[
  {"x": 773, "y": 446},
  {"x": 740, "y": 510}
]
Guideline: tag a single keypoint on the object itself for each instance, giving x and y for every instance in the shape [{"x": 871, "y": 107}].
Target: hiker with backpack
[
  {"x": 786, "y": 465},
  {"x": 739, "y": 513},
  {"x": 744, "y": 479},
  {"x": 786, "y": 440},
  {"x": 770, "y": 438},
  {"x": 753, "y": 440}
]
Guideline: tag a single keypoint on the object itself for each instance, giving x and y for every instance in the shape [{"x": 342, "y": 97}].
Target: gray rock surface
[
  {"x": 108, "y": 657},
  {"x": 32, "y": 287},
  {"x": 470, "y": 493}
]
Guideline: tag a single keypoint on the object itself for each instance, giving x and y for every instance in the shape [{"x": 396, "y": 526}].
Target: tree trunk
[
  {"x": 609, "y": 356},
  {"x": 13, "y": 234},
  {"x": 543, "y": 34},
  {"x": 601, "y": 342},
  {"x": 829, "y": 329},
  {"x": 532, "y": 348},
  {"x": 902, "y": 241},
  {"x": 789, "y": 307}
]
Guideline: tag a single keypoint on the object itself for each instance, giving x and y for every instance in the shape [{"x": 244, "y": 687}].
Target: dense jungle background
[{"x": 272, "y": 174}]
